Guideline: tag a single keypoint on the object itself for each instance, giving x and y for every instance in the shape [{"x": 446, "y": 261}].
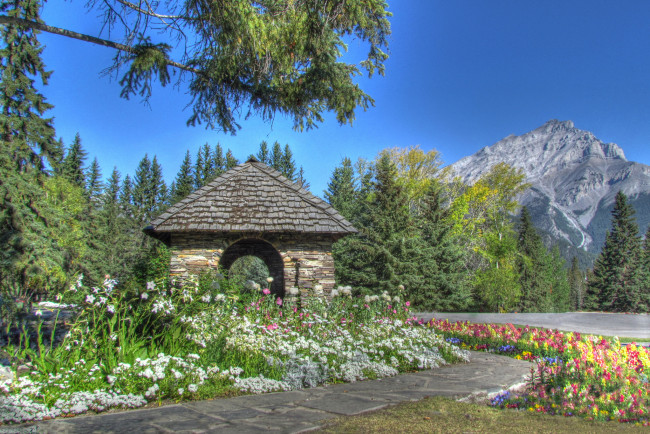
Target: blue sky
[{"x": 462, "y": 74}]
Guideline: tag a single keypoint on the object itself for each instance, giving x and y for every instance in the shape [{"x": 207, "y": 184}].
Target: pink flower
[
  {"x": 266, "y": 291},
  {"x": 278, "y": 301},
  {"x": 408, "y": 303}
]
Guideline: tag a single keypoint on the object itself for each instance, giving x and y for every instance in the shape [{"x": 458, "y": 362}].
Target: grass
[{"x": 445, "y": 415}]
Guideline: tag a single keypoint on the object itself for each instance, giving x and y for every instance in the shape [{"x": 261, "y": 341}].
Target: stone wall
[{"x": 307, "y": 259}]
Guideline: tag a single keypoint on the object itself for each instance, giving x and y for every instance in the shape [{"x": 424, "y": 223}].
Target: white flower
[
  {"x": 38, "y": 312},
  {"x": 90, "y": 298},
  {"x": 144, "y": 296},
  {"x": 206, "y": 298},
  {"x": 220, "y": 297},
  {"x": 109, "y": 284},
  {"x": 366, "y": 299},
  {"x": 294, "y": 291},
  {"x": 334, "y": 293},
  {"x": 111, "y": 379},
  {"x": 110, "y": 308},
  {"x": 151, "y": 285},
  {"x": 180, "y": 390},
  {"x": 192, "y": 388}
]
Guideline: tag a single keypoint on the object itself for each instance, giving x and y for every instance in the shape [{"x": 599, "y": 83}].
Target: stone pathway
[{"x": 302, "y": 410}]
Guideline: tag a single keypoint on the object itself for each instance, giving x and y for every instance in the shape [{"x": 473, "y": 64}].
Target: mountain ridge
[{"x": 574, "y": 178}]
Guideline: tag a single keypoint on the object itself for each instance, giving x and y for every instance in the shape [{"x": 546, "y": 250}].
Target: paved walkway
[
  {"x": 302, "y": 410},
  {"x": 607, "y": 324}
]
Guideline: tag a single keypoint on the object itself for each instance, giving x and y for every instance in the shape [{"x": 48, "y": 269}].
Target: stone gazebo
[{"x": 253, "y": 210}]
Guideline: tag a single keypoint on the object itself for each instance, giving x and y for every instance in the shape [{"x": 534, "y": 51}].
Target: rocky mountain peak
[
  {"x": 574, "y": 178},
  {"x": 551, "y": 147}
]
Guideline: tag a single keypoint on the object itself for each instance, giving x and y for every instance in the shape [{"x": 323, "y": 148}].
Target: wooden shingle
[{"x": 252, "y": 197}]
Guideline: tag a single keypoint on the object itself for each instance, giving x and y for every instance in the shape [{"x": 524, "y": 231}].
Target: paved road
[
  {"x": 301, "y": 410},
  {"x": 607, "y": 324}
]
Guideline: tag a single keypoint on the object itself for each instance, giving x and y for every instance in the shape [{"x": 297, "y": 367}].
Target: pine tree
[
  {"x": 441, "y": 260},
  {"x": 615, "y": 285},
  {"x": 531, "y": 267},
  {"x": 112, "y": 231},
  {"x": 157, "y": 200},
  {"x": 142, "y": 190},
  {"x": 94, "y": 184},
  {"x": 184, "y": 183},
  {"x": 263, "y": 153},
  {"x": 576, "y": 280},
  {"x": 559, "y": 289},
  {"x": 341, "y": 192},
  {"x": 381, "y": 257},
  {"x": 208, "y": 170},
  {"x": 57, "y": 155},
  {"x": 73, "y": 163},
  {"x": 198, "y": 170},
  {"x": 231, "y": 161},
  {"x": 276, "y": 157},
  {"x": 126, "y": 198},
  {"x": 288, "y": 165},
  {"x": 29, "y": 259},
  {"x": 644, "y": 293},
  {"x": 219, "y": 161},
  {"x": 301, "y": 180}
]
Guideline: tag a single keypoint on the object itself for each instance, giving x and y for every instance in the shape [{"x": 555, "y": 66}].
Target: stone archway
[{"x": 263, "y": 250}]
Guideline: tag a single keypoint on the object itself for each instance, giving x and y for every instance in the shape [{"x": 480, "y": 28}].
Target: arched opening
[
  {"x": 262, "y": 250},
  {"x": 248, "y": 269}
]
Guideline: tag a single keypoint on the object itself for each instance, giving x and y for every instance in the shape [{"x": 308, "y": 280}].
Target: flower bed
[
  {"x": 129, "y": 348},
  {"x": 574, "y": 375}
]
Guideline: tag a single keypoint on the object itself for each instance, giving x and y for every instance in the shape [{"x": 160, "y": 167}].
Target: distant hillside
[{"x": 574, "y": 179}]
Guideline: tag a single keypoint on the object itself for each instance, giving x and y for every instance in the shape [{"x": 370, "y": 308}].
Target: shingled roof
[{"x": 251, "y": 197}]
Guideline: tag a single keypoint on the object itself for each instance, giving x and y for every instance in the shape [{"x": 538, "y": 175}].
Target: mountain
[{"x": 574, "y": 177}]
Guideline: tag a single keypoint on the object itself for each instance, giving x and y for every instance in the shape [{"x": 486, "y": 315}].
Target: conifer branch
[
  {"x": 148, "y": 12},
  {"x": 6, "y": 20}
]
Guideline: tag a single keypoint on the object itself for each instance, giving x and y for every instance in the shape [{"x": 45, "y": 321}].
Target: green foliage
[
  {"x": 400, "y": 248},
  {"x": 616, "y": 281},
  {"x": 497, "y": 287},
  {"x": 288, "y": 164},
  {"x": 231, "y": 161},
  {"x": 532, "y": 268},
  {"x": 218, "y": 160},
  {"x": 263, "y": 153},
  {"x": 183, "y": 184},
  {"x": 247, "y": 268},
  {"x": 94, "y": 184},
  {"x": 341, "y": 190},
  {"x": 147, "y": 61},
  {"x": 577, "y": 286},
  {"x": 72, "y": 167},
  {"x": 30, "y": 261},
  {"x": 151, "y": 266},
  {"x": 644, "y": 293},
  {"x": 281, "y": 57},
  {"x": 441, "y": 259}
]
